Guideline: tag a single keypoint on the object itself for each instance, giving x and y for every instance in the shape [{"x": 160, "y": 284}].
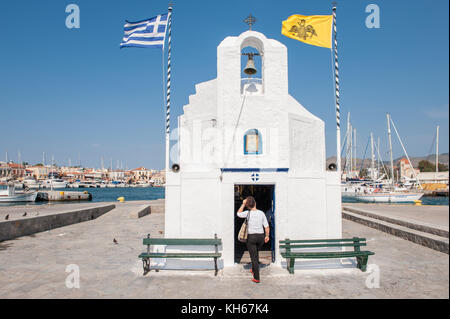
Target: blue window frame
[{"x": 252, "y": 142}]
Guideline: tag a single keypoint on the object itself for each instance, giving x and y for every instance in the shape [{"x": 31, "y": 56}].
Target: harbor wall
[{"x": 28, "y": 226}]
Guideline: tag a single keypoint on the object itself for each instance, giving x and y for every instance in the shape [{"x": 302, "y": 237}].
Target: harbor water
[
  {"x": 108, "y": 194},
  {"x": 426, "y": 200},
  {"x": 152, "y": 193}
]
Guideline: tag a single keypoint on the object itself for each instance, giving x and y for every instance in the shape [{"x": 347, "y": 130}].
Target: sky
[{"x": 74, "y": 94}]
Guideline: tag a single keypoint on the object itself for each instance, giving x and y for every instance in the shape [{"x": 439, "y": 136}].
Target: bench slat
[
  {"x": 181, "y": 241},
  {"x": 322, "y": 245},
  {"x": 322, "y": 240},
  {"x": 180, "y": 255},
  {"x": 327, "y": 254}
]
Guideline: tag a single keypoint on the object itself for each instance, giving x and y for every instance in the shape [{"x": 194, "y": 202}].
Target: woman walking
[{"x": 258, "y": 232}]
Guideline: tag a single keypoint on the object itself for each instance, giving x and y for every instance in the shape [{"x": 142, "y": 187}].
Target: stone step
[
  {"x": 409, "y": 223},
  {"x": 140, "y": 211},
  {"x": 157, "y": 206},
  {"x": 432, "y": 241},
  {"x": 265, "y": 257}
]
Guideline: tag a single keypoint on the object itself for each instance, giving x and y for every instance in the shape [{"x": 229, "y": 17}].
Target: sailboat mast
[
  {"x": 437, "y": 152},
  {"x": 354, "y": 147},
  {"x": 372, "y": 163},
  {"x": 378, "y": 159},
  {"x": 51, "y": 179},
  {"x": 351, "y": 150},
  {"x": 390, "y": 146},
  {"x": 347, "y": 164}
]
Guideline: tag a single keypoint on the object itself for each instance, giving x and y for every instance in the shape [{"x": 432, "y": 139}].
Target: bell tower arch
[
  {"x": 252, "y": 66},
  {"x": 274, "y": 73}
]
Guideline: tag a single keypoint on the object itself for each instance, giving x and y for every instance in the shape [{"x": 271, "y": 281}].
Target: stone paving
[{"x": 35, "y": 267}]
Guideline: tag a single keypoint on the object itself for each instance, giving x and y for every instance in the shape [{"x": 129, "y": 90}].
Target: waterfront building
[
  {"x": 406, "y": 171},
  {"x": 17, "y": 170},
  {"x": 158, "y": 178},
  {"x": 39, "y": 172},
  {"x": 246, "y": 135},
  {"x": 71, "y": 173},
  {"x": 433, "y": 177},
  {"x": 5, "y": 171},
  {"x": 116, "y": 175},
  {"x": 141, "y": 173}
]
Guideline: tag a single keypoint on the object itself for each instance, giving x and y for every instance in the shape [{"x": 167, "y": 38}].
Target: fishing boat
[{"x": 10, "y": 195}]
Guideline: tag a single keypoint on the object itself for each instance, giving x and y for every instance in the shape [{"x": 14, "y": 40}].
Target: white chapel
[{"x": 243, "y": 134}]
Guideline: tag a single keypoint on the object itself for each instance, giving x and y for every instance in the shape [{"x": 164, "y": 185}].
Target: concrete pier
[
  {"x": 36, "y": 266},
  {"x": 424, "y": 225},
  {"x": 58, "y": 196},
  {"x": 29, "y": 223}
]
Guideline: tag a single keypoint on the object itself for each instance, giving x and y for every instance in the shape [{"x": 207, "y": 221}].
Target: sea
[
  {"x": 152, "y": 193},
  {"x": 426, "y": 200}
]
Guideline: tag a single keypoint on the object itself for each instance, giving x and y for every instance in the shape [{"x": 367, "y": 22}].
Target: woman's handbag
[{"x": 243, "y": 232}]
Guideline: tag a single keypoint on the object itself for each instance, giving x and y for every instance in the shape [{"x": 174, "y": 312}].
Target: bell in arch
[{"x": 250, "y": 68}]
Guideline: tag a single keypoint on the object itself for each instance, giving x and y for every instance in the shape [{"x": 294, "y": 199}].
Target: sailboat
[{"x": 391, "y": 195}]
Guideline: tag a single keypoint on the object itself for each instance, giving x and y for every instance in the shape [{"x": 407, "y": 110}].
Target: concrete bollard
[
  {"x": 121, "y": 199},
  {"x": 417, "y": 203}
]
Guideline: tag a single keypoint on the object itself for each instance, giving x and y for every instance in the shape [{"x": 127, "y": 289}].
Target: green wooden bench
[
  {"x": 355, "y": 242},
  {"x": 216, "y": 242}
]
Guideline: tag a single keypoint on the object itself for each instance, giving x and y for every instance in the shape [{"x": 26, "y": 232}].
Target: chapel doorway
[{"x": 265, "y": 201}]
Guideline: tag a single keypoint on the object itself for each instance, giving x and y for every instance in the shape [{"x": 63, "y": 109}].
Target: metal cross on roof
[{"x": 250, "y": 20}]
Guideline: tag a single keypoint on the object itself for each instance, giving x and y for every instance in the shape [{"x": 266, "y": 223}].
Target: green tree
[{"x": 426, "y": 166}]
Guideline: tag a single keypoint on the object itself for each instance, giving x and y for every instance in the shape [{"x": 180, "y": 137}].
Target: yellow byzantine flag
[{"x": 314, "y": 30}]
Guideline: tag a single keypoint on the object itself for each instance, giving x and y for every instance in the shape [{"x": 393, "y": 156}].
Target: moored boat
[
  {"x": 389, "y": 197},
  {"x": 31, "y": 183},
  {"x": 10, "y": 195},
  {"x": 55, "y": 183}
]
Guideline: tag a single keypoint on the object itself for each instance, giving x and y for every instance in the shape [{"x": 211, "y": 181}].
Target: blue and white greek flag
[{"x": 148, "y": 33}]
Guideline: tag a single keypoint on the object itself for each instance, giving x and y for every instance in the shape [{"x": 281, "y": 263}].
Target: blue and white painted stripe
[{"x": 148, "y": 33}]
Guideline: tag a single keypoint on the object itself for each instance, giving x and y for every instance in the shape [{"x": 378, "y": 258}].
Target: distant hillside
[{"x": 443, "y": 159}]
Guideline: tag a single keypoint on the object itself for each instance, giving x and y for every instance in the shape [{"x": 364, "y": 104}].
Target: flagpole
[
  {"x": 336, "y": 75},
  {"x": 168, "y": 90}
]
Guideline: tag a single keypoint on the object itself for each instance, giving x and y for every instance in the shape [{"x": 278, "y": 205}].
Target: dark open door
[{"x": 264, "y": 196}]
